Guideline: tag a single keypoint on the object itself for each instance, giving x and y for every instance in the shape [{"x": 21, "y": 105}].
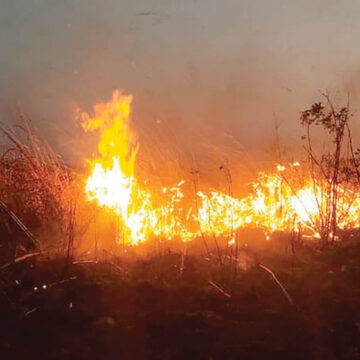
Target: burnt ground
[{"x": 161, "y": 310}]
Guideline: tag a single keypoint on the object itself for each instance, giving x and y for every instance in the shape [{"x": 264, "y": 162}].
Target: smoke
[{"x": 208, "y": 77}]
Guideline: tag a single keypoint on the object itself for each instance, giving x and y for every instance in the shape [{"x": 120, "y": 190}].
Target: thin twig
[
  {"x": 84, "y": 262},
  {"x": 119, "y": 268},
  {"x": 20, "y": 224},
  {"x": 288, "y": 297},
  {"x": 182, "y": 265},
  {"x": 31, "y": 311},
  {"x": 21, "y": 258},
  {"x": 218, "y": 288}
]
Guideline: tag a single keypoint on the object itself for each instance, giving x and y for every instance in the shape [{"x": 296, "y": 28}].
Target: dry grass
[{"x": 35, "y": 181}]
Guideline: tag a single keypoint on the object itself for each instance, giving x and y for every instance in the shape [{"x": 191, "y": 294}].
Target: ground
[{"x": 167, "y": 307}]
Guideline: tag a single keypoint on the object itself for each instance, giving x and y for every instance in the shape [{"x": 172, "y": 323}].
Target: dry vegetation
[
  {"x": 35, "y": 190},
  {"x": 282, "y": 298}
]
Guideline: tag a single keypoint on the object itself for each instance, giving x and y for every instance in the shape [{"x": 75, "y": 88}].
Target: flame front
[
  {"x": 272, "y": 204},
  {"x": 276, "y": 205}
]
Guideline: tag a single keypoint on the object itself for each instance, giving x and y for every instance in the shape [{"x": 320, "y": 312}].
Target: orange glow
[
  {"x": 112, "y": 182},
  {"x": 272, "y": 203}
]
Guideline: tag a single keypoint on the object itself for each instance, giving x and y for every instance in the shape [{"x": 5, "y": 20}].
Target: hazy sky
[{"x": 199, "y": 69}]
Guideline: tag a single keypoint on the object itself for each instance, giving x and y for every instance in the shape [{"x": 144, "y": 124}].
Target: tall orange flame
[{"x": 112, "y": 182}]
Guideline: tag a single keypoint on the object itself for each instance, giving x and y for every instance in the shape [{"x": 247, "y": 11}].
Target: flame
[
  {"x": 112, "y": 183},
  {"x": 272, "y": 203},
  {"x": 275, "y": 205}
]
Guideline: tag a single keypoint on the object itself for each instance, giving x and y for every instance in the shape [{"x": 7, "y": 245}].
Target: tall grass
[{"x": 35, "y": 181}]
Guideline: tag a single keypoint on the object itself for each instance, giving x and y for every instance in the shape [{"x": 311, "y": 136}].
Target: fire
[
  {"x": 112, "y": 183},
  {"x": 271, "y": 205},
  {"x": 273, "y": 202},
  {"x": 276, "y": 205}
]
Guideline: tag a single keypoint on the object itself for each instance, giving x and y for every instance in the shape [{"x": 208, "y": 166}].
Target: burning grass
[
  {"x": 180, "y": 271},
  {"x": 315, "y": 198}
]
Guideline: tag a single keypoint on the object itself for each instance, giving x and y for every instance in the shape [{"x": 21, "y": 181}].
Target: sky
[{"x": 205, "y": 74}]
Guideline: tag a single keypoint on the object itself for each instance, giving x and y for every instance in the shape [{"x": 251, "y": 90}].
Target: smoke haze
[{"x": 204, "y": 73}]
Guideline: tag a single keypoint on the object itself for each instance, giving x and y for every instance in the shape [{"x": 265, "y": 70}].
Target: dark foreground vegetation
[{"x": 173, "y": 306}]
